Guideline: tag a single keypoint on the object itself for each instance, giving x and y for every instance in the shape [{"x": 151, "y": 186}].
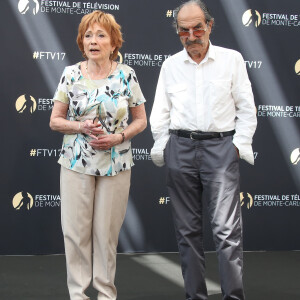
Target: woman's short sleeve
[
  {"x": 61, "y": 93},
  {"x": 136, "y": 96}
]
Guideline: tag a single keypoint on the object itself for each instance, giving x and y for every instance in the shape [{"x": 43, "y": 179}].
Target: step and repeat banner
[{"x": 39, "y": 40}]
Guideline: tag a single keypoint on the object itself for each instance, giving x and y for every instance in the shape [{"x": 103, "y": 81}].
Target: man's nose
[{"x": 191, "y": 35}]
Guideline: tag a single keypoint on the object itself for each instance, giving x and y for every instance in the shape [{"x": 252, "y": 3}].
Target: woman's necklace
[{"x": 108, "y": 74}]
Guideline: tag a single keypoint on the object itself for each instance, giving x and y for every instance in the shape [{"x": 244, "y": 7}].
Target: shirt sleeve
[
  {"x": 136, "y": 96},
  {"x": 61, "y": 93},
  {"x": 246, "y": 120},
  {"x": 160, "y": 121}
]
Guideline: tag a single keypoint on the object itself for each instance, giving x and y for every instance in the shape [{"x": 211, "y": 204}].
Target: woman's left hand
[{"x": 106, "y": 141}]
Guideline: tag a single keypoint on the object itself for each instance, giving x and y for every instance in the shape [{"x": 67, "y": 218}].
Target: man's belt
[{"x": 200, "y": 135}]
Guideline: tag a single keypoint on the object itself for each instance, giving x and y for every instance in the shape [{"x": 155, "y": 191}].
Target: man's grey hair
[{"x": 201, "y": 4}]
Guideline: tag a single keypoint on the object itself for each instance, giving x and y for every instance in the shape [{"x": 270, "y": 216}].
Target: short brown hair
[{"x": 108, "y": 22}]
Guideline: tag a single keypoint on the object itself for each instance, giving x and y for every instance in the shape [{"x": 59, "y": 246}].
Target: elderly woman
[{"x": 91, "y": 108}]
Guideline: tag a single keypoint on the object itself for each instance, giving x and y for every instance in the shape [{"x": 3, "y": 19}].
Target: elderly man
[{"x": 203, "y": 120}]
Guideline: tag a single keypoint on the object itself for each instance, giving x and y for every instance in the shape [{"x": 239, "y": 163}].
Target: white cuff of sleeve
[
  {"x": 245, "y": 152},
  {"x": 158, "y": 158}
]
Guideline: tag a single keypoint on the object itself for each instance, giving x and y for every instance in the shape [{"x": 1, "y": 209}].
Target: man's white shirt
[{"x": 213, "y": 96}]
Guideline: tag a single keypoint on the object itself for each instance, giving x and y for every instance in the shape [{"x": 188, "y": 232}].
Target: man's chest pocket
[{"x": 178, "y": 95}]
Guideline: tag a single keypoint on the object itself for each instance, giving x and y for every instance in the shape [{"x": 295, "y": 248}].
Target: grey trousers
[{"x": 206, "y": 170}]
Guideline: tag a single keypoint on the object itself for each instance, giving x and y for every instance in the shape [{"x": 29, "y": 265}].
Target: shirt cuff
[
  {"x": 245, "y": 152},
  {"x": 157, "y": 157},
  {"x": 157, "y": 152}
]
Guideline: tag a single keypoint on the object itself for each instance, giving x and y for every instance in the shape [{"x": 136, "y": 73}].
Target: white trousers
[{"x": 92, "y": 211}]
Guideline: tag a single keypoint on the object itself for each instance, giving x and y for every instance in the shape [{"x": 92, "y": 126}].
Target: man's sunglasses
[{"x": 198, "y": 32}]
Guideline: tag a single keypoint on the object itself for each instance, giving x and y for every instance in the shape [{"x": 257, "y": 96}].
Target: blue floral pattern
[{"x": 106, "y": 101}]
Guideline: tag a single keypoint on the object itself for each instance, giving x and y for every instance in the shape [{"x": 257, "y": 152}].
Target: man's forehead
[{"x": 190, "y": 15}]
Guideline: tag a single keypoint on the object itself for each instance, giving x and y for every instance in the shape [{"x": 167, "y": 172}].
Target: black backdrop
[{"x": 38, "y": 41}]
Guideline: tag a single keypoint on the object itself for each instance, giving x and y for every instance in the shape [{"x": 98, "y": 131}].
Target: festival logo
[
  {"x": 276, "y": 200},
  {"x": 295, "y": 156},
  {"x": 246, "y": 199},
  {"x": 63, "y": 7},
  {"x": 120, "y": 58},
  {"x": 278, "y": 111},
  {"x": 43, "y": 152},
  {"x": 253, "y": 64},
  {"x": 169, "y": 13},
  {"x": 141, "y": 154},
  {"x": 145, "y": 59},
  {"x": 48, "y": 55},
  {"x": 31, "y": 6},
  {"x": 297, "y": 67},
  {"x": 164, "y": 200},
  {"x": 22, "y": 201},
  {"x": 251, "y": 17},
  {"x": 25, "y": 104}
]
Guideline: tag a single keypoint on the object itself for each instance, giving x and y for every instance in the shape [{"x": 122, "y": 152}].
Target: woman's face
[{"x": 97, "y": 43}]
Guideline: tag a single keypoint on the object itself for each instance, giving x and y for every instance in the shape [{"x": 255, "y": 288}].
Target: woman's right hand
[{"x": 89, "y": 128}]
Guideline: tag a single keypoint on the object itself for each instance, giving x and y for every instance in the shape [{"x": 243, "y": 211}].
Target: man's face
[{"x": 191, "y": 19}]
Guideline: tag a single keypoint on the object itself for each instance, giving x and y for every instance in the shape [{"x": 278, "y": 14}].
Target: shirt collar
[{"x": 211, "y": 54}]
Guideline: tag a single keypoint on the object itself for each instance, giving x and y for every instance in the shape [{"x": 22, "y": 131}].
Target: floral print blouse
[{"x": 107, "y": 101}]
